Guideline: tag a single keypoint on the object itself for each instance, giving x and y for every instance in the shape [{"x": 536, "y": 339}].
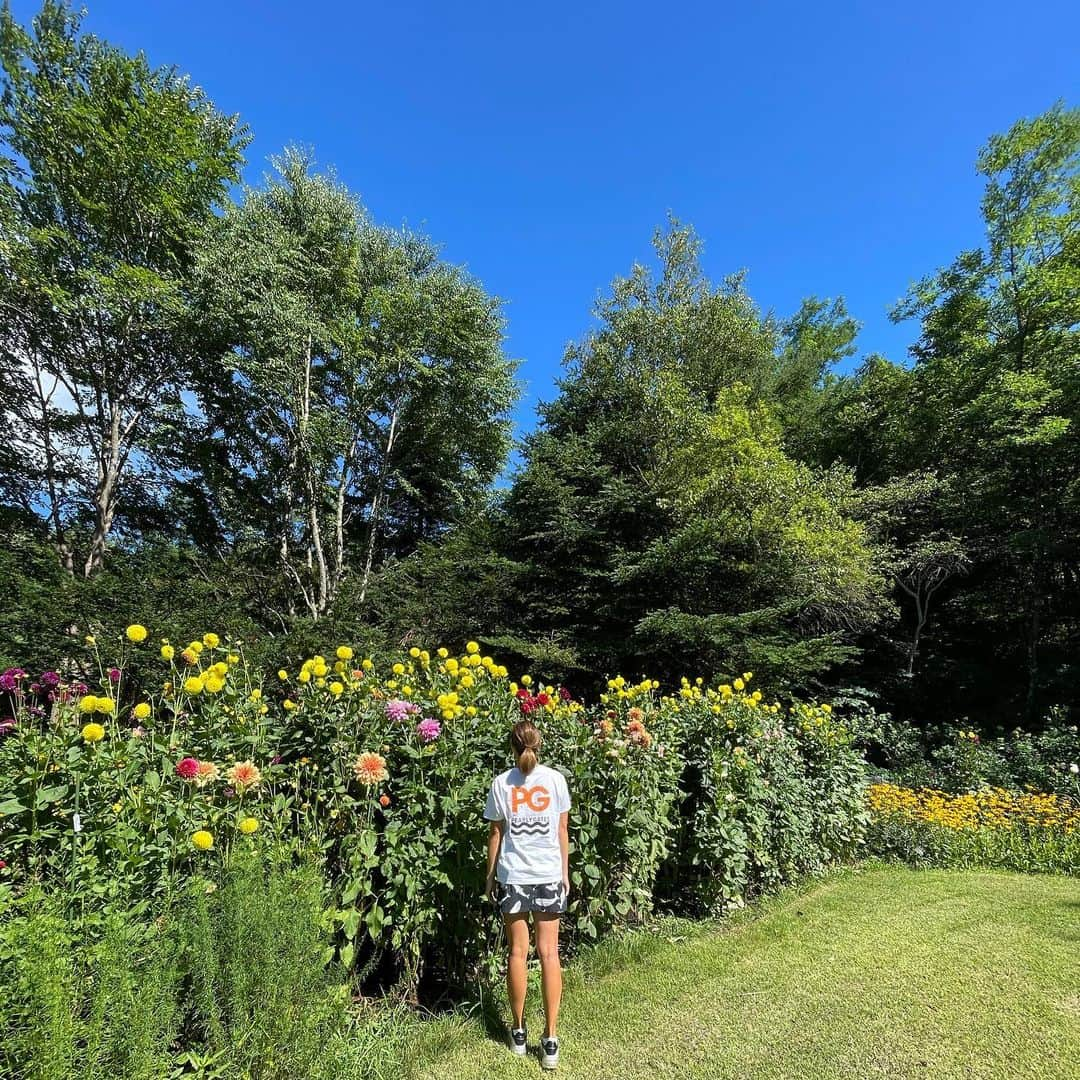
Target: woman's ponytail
[{"x": 525, "y": 742}]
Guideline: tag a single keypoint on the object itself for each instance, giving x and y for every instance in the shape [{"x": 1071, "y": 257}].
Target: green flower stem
[{"x": 73, "y": 883}]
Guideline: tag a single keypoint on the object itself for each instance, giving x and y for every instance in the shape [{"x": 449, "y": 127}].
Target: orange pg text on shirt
[{"x": 535, "y": 798}]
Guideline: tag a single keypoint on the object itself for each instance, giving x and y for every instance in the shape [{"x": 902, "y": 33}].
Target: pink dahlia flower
[
  {"x": 399, "y": 710},
  {"x": 429, "y": 730}
]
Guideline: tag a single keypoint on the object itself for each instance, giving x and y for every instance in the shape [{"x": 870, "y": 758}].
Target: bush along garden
[{"x": 209, "y": 870}]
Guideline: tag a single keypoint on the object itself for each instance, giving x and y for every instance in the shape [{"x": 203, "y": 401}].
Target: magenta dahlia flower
[{"x": 9, "y": 680}]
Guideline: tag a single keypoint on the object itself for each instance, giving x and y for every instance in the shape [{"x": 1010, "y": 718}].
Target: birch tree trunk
[
  {"x": 112, "y": 458},
  {"x": 64, "y": 550},
  {"x": 377, "y": 502}
]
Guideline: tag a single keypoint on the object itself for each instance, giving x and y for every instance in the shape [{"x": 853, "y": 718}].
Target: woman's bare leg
[
  {"x": 517, "y": 978},
  {"x": 547, "y": 945}
]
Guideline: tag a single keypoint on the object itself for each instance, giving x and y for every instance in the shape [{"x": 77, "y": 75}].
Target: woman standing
[{"x": 528, "y": 872}]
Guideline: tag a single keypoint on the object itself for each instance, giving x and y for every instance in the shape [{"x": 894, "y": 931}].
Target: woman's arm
[
  {"x": 564, "y": 848},
  {"x": 495, "y": 834}
]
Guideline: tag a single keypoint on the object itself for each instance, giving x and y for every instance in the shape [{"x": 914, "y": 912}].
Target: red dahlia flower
[{"x": 187, "y": 768}]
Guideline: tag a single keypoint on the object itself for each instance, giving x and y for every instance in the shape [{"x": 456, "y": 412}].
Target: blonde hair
[{"x": 525, "y": 742}]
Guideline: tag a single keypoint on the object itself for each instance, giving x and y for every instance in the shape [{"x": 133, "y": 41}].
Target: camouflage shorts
[{"x": 549, "y": 899}]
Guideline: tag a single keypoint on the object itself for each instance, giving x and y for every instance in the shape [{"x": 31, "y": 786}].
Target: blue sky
[{"x": 828, "y": 148}]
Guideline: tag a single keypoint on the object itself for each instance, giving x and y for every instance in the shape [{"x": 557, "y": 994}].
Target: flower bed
[
  {"x": 990, "y": 827},
  {"x": 116, "y": 789}
]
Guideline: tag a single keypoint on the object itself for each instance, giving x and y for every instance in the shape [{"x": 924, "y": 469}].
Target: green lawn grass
[{"x": 884, "y": 972}]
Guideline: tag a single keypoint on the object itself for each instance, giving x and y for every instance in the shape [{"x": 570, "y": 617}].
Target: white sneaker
[
  {"x": 519, "y": 1041},
  {"x": 549, "y": 1053}
]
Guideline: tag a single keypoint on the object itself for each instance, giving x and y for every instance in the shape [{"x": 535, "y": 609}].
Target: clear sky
[{"x": 826, "y": 147}]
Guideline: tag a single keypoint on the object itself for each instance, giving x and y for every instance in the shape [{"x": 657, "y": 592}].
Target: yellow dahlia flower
[{"x": 203, "y": 840}]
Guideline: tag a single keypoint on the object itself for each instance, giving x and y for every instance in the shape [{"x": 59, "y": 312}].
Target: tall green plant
[{"x": 92, "y": 999}]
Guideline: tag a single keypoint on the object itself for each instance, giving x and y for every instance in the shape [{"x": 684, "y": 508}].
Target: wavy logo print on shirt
[{"x": 538, "y": 826}]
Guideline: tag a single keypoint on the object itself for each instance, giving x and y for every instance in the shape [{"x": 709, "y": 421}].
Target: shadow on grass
[{"x": 491, "y": 1017}]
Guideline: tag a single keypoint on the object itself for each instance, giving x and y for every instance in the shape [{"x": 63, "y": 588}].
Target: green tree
[
  {"x": 921, "y": 558},
  {"x": 363, "y": 392},
  {"x": 658, "y": 522},
  {"x": 760, "y": 563},
  {"x": 109, "y": 169},
  {"x": 870, "y": 420},
  {"x": 997, "y": 369}
]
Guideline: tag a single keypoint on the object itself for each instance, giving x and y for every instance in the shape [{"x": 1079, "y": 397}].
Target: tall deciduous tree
[
  {"x": 919, "y": 555},
  {"x": 363, "y": 393},
  {"x": 109, "y": 170}
]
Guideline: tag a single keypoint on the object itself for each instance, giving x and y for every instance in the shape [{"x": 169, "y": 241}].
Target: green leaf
[
  {"x": 375, "y": 920},
  {"x": 350, "y": 922},
  {"x": 48, "y": 795}
]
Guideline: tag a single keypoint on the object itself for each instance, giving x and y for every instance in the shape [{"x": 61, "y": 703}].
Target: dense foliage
[
  {"x": 276, "y": 381},
  {"x": 120, "y": 784},
  {"x": 227, "y": 980},
  {"x": 660, "y": 508},
  {"x": 974, "y": 450}
]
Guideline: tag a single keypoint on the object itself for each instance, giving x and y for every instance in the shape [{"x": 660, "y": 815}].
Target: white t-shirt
[{"x": 530, "y": 806}]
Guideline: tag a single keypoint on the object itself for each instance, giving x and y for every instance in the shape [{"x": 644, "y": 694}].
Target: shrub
[
  {"x": 765, "y": 797},
  {"x": 228, "y": 979},
  {"x": 95, "y": 999},
  {"x": 960, "y": 759},
  {"x": 623, "y": 767},
  {"x": 1043, "y": 760},
  {"x": 260, "y": 998}
]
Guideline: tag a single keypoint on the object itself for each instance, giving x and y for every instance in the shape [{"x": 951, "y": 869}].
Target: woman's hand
[
  {"x": 489, "y": 890},
  {"x": 566, "y": 886}
]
